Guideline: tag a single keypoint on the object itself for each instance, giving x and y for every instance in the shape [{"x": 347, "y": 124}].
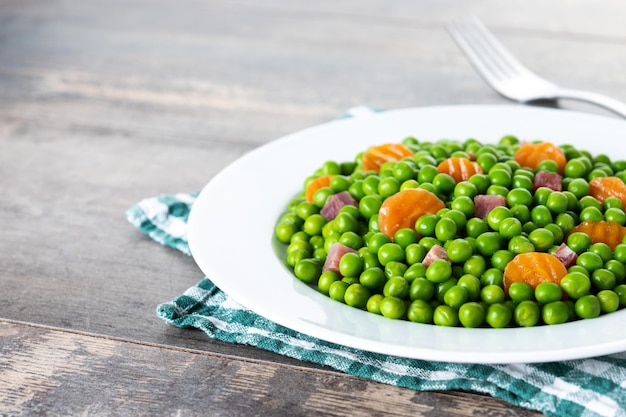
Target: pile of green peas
[{"x": 386, "y": 275}]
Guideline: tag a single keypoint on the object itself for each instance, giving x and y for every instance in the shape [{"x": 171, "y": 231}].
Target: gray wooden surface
[{"x": 104, "y": 103}]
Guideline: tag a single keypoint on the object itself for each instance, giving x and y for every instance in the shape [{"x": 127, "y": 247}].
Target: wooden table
[{"x": 104, "y": 103}]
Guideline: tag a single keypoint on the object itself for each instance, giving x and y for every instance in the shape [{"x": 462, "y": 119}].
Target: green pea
[
  {"x": 308, "y": 270},
  {"x": 497, "y": 190},
  {"x": 337, "y": 290},
  {"x": 420, "y": 311},
  {"x": 472, "y": 285},
  {"x": 388, "y": 186},
  {"x": 590, "y": 261},
  {"x": 603, "y": 279},
  {"x": 575, "y": 168},
  {"x": 617, "y": 268},
  {"x": 526, "y": 313},
  {"x": 547, "y": 292},
  {"x": 395, "y": 268},
  {"x": 404, "y": 170},
  {"x": 556, "y": 312},
  {"x": 325, "y": 281},
  {"x": 414, "y": 253},
  {"x": 439, "y": 271},
  {"x": 321, "y": 195},
  {"x": 416, "y": 270},
  {"x": 591, "y": 214},
  {"x": 396, "y": 286},
  {"x": 498, "y": 315},
  {"x": 444, "y": 183},
  {"x": 428, "y": 242},
  {"x": 445, "y": 229},
  {"x": 520, "y": 244},
  {"x": 589, "y": 201},
  {"x": 390, "y": 252},
  {"x": 481, "y": 181},
  {"x": 421, "y": 289},
  {"x": 510, "y": 227},
  {"x": 522, "y": 213},
  {"x": 541, "y": 215},
  {"x": 492, "y": 276},
  {"x": 472, "y": 314},
  {"x": 609, "y": 301},
  {"x": 476, "y": 227},
  {"x": 521, "y": 291},
  {"x": 541, "y": 238},
  {"x": 351, "y": 239},
  {"x": 356, "y": 190},
  {"x": 370, "y": 205},
  {"x": 557, "y": 203},
  {"x": 376, "y": 241},
  {"x": 373, "y": 278},
  {"x": 392, "y": 307},
  {"x": 619, "y": 253},
  {"x": 491, "y": 294},
  {"x": 465, "y": 189},
  {"x": 426, "y": 173},
  {"x": 445, "y": 316},
  {"x": 344, "y": 222},
  {"x": 501, "y": 258},
  {"x": 442, "y": 288},
  {"x": 373, "y": 303},
  {"x": 587, "y": 307},
  {"x": 488, "y": 243},
  {"x": 565, "y": 221},
  {"x": 459, "y": 250},
  {"x": 522, "y": 182},
  {"x": 614, "y": 214},
  {"x": 405, "y": 236},
  {"x": 456, "y": 296},
  {"x": 603, "y": 250},
  {"x": 620, "y": 290},
  {"x": 486, "y": 161},
  {"x": 370, "y": 184},
  {"x": 500, "y": 177},
  {"x": 425, "y": 225},
  {"x": 519, "y": 196},
  {"x": 465, "y": 205},
  {"x": 475, "y": 265},
  {"x": 496, "y": 216},
  {"x": 541, "y": 196},
  {"x": 285, "y": 230},
  {"x": 575, "y": 284},
  {"x": 339, "y": 183},
  {"x": 579, "y": 242},
  {"x": 356, "y": 295}
]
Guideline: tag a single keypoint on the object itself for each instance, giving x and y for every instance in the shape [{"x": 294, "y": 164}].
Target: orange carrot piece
[
  {"x": 461, "y": 169},
  {"x": 611, "y": 233},
  {"x": 375, "y": 156},
  {"x": 533, "y": 268},
  {"x": 405, "y": 207},
  {"x": 531, "y": 154},
  {"x": 603, "y": 187},
  {"x": 315, "y": 184}
]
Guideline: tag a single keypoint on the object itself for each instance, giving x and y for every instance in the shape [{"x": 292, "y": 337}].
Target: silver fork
[{"x": 509, "y": 77}]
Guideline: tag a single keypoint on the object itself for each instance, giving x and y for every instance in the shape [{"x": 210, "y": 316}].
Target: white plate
[{"x": 232, "y": 222}]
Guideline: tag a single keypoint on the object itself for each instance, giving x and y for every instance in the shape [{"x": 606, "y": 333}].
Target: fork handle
[{"x": 608, "y": 103}]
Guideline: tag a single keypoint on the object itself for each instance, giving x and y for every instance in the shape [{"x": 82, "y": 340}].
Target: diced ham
[
  {"x": 545, "y": 178},
  {"x": 436, "y": 252},
  {"x": 566, "y": 255},
  {"x": 335, "y": 202},
  {"x": 336, "y": 251},
  {"x": 483, "y": 204}
]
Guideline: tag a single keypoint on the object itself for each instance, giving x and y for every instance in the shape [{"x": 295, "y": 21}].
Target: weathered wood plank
[{"x": 56, "y": 372}]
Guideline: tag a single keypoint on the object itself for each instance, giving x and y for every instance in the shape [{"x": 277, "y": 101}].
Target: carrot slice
[
  {"x": 533, "y": 268},
  {"x": 375, "y": 156},
  {"x": 603, "y": 187},
  {"x": 315, "y": 184},
  {"x": 461, "y": 169},
  {"x": 405, "y": 207},
  {"x": 611, "y": 233},
  {"x": 531, "y": 154}
]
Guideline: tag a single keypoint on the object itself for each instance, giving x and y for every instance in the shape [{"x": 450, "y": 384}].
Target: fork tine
[{"x": 487, "y": 53}]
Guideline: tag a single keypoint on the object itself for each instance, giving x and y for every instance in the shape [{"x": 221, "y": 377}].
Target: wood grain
[
  {"x": 104, "y": 103},
  {"x": 56, "y": 372}
]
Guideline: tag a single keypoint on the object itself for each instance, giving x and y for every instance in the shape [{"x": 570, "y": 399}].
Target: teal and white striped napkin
[{"x": 588, "y": 388}]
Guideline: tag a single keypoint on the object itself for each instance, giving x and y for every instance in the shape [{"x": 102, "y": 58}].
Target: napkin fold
[{"x": 589, "y": 387}]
